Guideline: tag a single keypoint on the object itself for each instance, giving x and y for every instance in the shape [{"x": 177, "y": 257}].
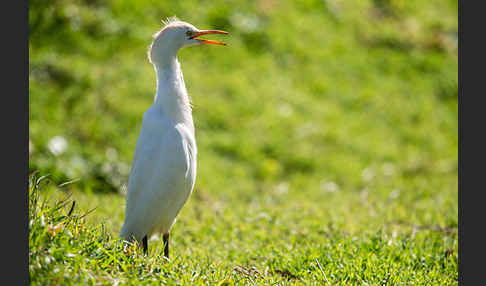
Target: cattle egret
[{"x": 163, "y": 171}]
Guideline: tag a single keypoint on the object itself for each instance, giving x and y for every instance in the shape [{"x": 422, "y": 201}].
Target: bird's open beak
[{"x": 206, "y": 32}]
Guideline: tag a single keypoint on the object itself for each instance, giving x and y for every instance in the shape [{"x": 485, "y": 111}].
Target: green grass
[
  {"x": 273, "y": 240},
  {"x": 327, "y": 135}
]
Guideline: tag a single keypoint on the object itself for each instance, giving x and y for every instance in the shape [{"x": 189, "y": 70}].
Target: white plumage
[{"x": 163, "y": 171}]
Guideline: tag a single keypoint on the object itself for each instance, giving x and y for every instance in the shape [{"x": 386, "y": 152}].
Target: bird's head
[{"x": 175, "y": 35}]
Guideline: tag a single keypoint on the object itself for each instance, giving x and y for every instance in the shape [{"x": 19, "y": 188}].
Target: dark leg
[
  {"x": 166, "y": 244},
  {"x": 145, "y": 244}
]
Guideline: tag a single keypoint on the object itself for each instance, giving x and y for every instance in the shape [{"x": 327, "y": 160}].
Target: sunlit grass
[{"x": 326, "y": 130}]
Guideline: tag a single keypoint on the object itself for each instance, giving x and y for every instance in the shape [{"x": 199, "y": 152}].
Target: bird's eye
[{"x": 189, "y": 33}]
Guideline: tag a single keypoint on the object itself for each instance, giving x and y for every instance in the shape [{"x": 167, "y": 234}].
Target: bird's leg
[
  {"x": 166, "y": 244},
  {"x": 145, "y": 244}
]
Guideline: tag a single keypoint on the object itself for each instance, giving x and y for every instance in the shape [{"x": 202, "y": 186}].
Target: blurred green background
[
  {"x": 325, "y": 129},
  {"x": 306, "y": 91}
]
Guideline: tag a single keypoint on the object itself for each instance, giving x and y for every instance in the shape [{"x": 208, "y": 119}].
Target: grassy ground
[{"x": 327, "y": 134}]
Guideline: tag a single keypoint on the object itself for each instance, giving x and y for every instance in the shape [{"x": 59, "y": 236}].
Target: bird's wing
[{"x": 162, "y": 175}]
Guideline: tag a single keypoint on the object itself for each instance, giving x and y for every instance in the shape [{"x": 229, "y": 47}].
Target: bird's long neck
[{"x": 171, "y": 96}]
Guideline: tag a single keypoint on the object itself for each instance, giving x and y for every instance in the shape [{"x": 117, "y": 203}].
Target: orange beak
[{"x": 207, "y": 32}]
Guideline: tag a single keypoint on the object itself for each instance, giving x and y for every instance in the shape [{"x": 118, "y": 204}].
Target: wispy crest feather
[{"x": 170, "y": 20}]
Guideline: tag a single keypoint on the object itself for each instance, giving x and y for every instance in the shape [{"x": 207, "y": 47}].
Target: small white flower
[
  {"x": 282, "y": 188},
  {"x": 57, "y": 145},
  {"x": 394, "y": 194},
  {"x": 247, "y": 23},
  {"x": 329, "y": 187},
  {"x": 367, "y": 174}
]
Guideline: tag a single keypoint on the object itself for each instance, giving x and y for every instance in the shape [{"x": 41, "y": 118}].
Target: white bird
[{"x": 163, "y": 171}]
